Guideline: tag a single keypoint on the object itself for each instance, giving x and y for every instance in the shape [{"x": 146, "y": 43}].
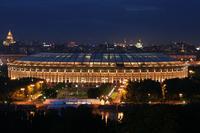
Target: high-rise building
[
  {"x": 9, "y": 39},
  {"x": 182, "y": 49},
  {"x": 139, "y": 44}
]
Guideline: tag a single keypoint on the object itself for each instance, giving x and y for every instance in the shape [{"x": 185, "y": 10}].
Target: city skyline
[{"x": 89, "y": 21}]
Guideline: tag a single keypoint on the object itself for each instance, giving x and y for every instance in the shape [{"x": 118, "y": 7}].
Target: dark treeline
[
  {"x": 144, "y": 91},
  {"x": 137, "y": 119},
  {"x": 4, "y": 71},
  {"x": 188, "y": 87},
  {"x": 103, "y": 89},
  {"x": 161, "y": 119},
  {"x": 70, "y": 120},
  {"x": 171, "y": 89}
]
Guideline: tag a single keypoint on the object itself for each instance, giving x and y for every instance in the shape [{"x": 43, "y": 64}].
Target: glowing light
[
  {"x": 180, "y": 95},
  {"x": 22, "y": 89},
  {"x": 184, "y": 102},
  {"x": 106, "y": 118},
  {"x": 102, "y": 102},
  {"x": 9, "y": 39},
  {"x": 191, "y": 72},
  {"x": 198, "y": 48},
  {"x": 32, "y": 85},
  {"x": 41, "y": 82},
  {"x": 97, "y": 86},
  {"x": 120, "y": 116},
  {"x": 32, "y": 113}
]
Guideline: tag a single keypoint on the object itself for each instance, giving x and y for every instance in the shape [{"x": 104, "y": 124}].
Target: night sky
[{"x": 101, "y": 20}]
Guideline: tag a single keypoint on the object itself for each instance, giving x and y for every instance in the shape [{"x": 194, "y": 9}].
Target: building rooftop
[{"x": 98, "y": 57}]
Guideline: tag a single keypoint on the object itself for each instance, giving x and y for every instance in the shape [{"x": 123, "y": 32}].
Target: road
[{"x": 120, "y": 91}]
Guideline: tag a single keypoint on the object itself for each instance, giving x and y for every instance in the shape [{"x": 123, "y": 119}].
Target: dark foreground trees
[
  {"x": 137, "y": 119},
  {"x": 103, "y": 89},
  {"x": 187, "y": 89},
  {"x": 144, "y": 91}
]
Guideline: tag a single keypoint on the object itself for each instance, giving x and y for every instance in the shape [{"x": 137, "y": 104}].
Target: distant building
[
  {"x": 139, "y": 44},
  {"x": 182, "y": 49},
  {"x": 7, "y": 58},
  {"x": 72, "y": 44},
  {"x": 121, "y": 44},
  {"x": 184, "y": 57},
  {"x": 44, "y": 44},
  {"x": 9, "y": 39}
]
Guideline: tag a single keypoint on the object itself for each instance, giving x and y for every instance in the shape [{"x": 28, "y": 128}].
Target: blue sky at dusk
[{"x": 101, "y": 20}]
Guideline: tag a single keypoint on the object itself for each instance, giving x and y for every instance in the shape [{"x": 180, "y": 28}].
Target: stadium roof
[{"x": 98, "y": 57}]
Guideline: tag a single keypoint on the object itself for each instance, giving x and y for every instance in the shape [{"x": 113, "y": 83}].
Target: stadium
[{"x": 97, "y": 67}]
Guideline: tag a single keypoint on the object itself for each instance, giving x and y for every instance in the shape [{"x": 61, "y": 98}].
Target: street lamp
[
  {"x": 180, "y": 95},
  {"x": 181, "y": 98},
  {"x": 41, "y": 83},
  {"x": 76, "y": 89},
  {"x": 22, "y": 89},
  {"x": 32, "y": 85},
  {"x": 97, "y": 86}
]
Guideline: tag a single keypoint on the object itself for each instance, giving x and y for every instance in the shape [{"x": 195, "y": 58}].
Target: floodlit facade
[
  {"x": 139, "y": 44},
  {"x": 97, "y": 67}
]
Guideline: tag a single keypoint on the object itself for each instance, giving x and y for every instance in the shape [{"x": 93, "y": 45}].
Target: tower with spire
[
  {"x": 9, "y": 39},
  {"x": 182, "y": 49}
]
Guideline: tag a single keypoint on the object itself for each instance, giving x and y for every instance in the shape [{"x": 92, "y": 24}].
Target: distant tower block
[
  {"x": 182, "y": 49},
  {"x": 139, "y": 44},
  {"x": 9, "y": 39}
]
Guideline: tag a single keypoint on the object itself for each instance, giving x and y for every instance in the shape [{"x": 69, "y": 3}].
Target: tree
[
  {"x": 93, "y": 93},
  {"x": 188, "y": 87},
  {"x": 49, "y": 93},
  {"x": 104, "y": 89},
  {"x": 144, "y": 91}
]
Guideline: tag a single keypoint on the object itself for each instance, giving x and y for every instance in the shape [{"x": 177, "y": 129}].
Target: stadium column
[
  {"x": 57, "y": 80},
  {"x": 147, "y": 73},
  {"x": 161, "y": 75}
]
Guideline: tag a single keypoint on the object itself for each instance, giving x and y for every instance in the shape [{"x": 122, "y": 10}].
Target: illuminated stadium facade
[{"x": 97, "y": 67}]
